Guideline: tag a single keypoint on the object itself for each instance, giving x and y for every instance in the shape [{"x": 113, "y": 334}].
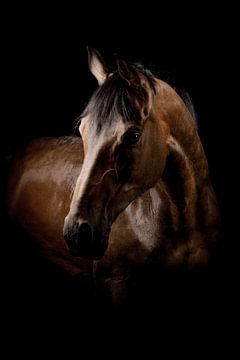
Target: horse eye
[{"x": 131, "y": 138}]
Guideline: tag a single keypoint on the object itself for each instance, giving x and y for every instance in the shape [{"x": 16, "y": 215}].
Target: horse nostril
[
  {"x": 78, "y": 238},
  {"x": 85, "y": 232}
]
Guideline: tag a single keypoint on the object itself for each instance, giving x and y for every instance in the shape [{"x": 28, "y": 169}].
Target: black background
[{"x": 47, "y": 82}]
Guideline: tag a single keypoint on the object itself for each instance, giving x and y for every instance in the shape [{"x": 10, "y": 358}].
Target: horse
[{"x": 131, "y": 193}]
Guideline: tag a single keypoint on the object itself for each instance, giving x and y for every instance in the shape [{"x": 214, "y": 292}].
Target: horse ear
[
  {"x": 97, "y": 65},
  {"x": 124, "y": 71}
]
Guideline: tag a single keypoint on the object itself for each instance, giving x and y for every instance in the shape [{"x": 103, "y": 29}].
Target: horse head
[{"x": 125, "y": 149}]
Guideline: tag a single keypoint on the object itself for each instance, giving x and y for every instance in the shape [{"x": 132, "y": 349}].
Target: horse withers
[{"x": 132, "y": 193}]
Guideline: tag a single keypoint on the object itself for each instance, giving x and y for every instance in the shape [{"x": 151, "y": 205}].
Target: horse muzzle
[{"x": 83, "y": 241}]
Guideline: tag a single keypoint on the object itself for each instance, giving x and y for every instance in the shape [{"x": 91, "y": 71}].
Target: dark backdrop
[{"x": 47, "y": 82}]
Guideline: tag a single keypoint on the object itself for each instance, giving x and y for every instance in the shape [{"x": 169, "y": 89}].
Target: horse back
[{"x": 41, "y": 178}]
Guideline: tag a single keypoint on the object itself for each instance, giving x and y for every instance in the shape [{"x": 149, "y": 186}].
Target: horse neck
[
  {"x": 182, "y": 127},
  {"x": 186, "y": 167}
]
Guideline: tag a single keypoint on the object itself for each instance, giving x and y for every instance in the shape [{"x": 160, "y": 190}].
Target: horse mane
[
  {"x": 115, "y": 96},
  {"x": 118, "y": 96}
]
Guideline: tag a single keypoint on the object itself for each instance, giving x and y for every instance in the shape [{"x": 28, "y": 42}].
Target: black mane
[{"x": 116, "y": 97}]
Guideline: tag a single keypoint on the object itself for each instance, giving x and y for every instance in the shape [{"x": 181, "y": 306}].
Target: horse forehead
[{"x": 111, "y": 132}]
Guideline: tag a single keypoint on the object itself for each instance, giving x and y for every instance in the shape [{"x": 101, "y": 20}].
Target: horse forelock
[{"x": 119, "y": 96}]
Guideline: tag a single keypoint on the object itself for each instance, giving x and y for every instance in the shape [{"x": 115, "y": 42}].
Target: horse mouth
[
  {"x": 91, "y": 254},
  {"x": 92, "y": 250}
]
